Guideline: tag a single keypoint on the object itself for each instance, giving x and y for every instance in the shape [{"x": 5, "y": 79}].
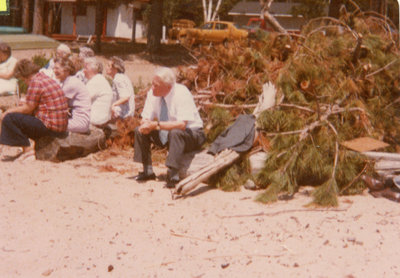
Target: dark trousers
[
  {"x": 179, "y": 142},
  {"x": 17, "y": 128}
]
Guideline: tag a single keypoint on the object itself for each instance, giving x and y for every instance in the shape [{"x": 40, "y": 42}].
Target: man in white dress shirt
[{"x": 169, "y": 109}]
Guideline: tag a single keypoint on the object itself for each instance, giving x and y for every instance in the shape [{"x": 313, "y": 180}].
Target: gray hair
[
  {"x": 94, "y": 64},
  {"x": 85, "y": 52},
  {"x": 166, "y": 75},
  {"x": 64, "y": 48},
  {"x": 118, "y": 64}
]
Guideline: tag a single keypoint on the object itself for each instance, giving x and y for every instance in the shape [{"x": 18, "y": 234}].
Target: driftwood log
[
  {"x": 222, "y": 160},
  {"x": 194, "y": 161},
  {"x": 73, "y": 146},
  {"x": 387, "y": 164},
  {"x": 382, "y": 156}
]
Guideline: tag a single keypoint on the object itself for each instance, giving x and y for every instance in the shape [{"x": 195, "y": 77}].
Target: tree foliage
[{"x": 337, "y": 81}]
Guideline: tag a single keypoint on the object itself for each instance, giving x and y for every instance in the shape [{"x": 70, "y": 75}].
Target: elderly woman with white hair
[
  {"x": 62, "y": 52},
  {"x": 170, "y": 118},
  {"x": 84, "y": 52},
  {"x": 124, "y": 99},
  {"x": 75, "y": 91},
  {"x": 100, "y": 92}
]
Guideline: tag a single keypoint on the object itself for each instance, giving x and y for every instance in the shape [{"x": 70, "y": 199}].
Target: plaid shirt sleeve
[
  {"x": 50, "y": 102},
  {"x": 33, "y": 93}
]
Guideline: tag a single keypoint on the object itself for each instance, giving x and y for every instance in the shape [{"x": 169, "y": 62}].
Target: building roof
[
  {"x": 28, "y": 41},
  {"x": 253, "y": 8}
]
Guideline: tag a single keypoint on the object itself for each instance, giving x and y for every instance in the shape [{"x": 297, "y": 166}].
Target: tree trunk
[
  {"x": 155, "y": 26},
  {"x": 25, "y": 15},
  {"x": 214, "y": 15},
  {"x": 273, "y": 22},
  {"x": 204, "y": 10},
  {"x": 50, "y": 26},
  {"x": 99, "y": 24},
  {"x": 334, "y": 7},
  {"x": 134, "y": 16},
  {"x": 38, "y": 17},
  {"x": 378, "y": 6},
  {"x": 265, "y": 5}
]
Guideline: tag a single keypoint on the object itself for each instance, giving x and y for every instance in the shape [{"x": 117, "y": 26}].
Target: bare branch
[
  {"x": 297, "y": 107},
  {"x": 381, "y": 69},
  {"x": 245, "y": 106}
]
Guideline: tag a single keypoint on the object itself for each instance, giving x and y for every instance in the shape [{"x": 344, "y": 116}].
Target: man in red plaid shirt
[{"x": 44, "y": 113}]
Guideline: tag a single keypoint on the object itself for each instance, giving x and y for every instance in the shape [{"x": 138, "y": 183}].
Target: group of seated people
[
  {"x": 74, "y": 83},
  {"x": 59, "y": 98}
]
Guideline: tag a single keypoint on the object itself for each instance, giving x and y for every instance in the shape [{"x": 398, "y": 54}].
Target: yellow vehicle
[
  {"x": 212, "y": 32},
  {"x": 177, "y": 26}
]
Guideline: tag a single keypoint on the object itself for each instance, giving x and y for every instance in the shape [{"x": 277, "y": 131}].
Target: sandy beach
[{"x": 78, "y": 219}]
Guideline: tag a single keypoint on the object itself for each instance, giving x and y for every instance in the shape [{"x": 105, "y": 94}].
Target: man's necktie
[{"x": 163, "y": 118}]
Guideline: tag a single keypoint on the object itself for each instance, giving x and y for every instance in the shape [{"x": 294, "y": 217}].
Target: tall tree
[
  {"x": 25, "y": 14},
  {"x": 208, "y": 12},
  {"x": 38, "y": 17},
  {"x": 99, "y": 24},
  {"x": 155, "y": 26}
]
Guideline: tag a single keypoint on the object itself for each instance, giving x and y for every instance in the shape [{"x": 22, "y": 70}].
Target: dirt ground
[{"x": 89, "y": 218}]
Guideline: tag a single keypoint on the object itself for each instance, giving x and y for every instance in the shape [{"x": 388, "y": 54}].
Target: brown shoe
[{"x": 372, "y": 183}]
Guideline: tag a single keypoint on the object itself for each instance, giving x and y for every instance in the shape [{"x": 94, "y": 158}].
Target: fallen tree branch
[
  {"x": 296, "y": 106},
  {"x": 202, "y": 96},
  {"x": 355, "y": 178},
  {"x": 381, "y": 69},
  {"x": 338, "y": 22},
  {"x": 208, "y": 92},
  {"x": 331, "y": 110},
  {"x": 222, "y": 160},
  {"x": 207, "y": 103},
  {"x": 282, "y": 133}
]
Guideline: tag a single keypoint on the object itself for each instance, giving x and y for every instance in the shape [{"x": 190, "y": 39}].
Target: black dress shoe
[{"x": 144, "y": 177}]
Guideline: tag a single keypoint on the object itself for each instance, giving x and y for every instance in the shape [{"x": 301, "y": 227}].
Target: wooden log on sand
[{"x": 221, "y": 161}]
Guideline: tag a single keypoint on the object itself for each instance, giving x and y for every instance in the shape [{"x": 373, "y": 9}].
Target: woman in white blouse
[
  {"x": 123, "y": 95},
  {"x": 100, "y": 92}
]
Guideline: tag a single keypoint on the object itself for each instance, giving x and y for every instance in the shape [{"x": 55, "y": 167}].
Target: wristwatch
[{"x": 158, "y": 126}]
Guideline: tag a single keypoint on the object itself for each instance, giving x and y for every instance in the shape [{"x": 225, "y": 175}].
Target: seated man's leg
[
  {"x": 142, "y": 151},
  {"x": 181, "y": 141},
  {"x": 17, "y": 128}
]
